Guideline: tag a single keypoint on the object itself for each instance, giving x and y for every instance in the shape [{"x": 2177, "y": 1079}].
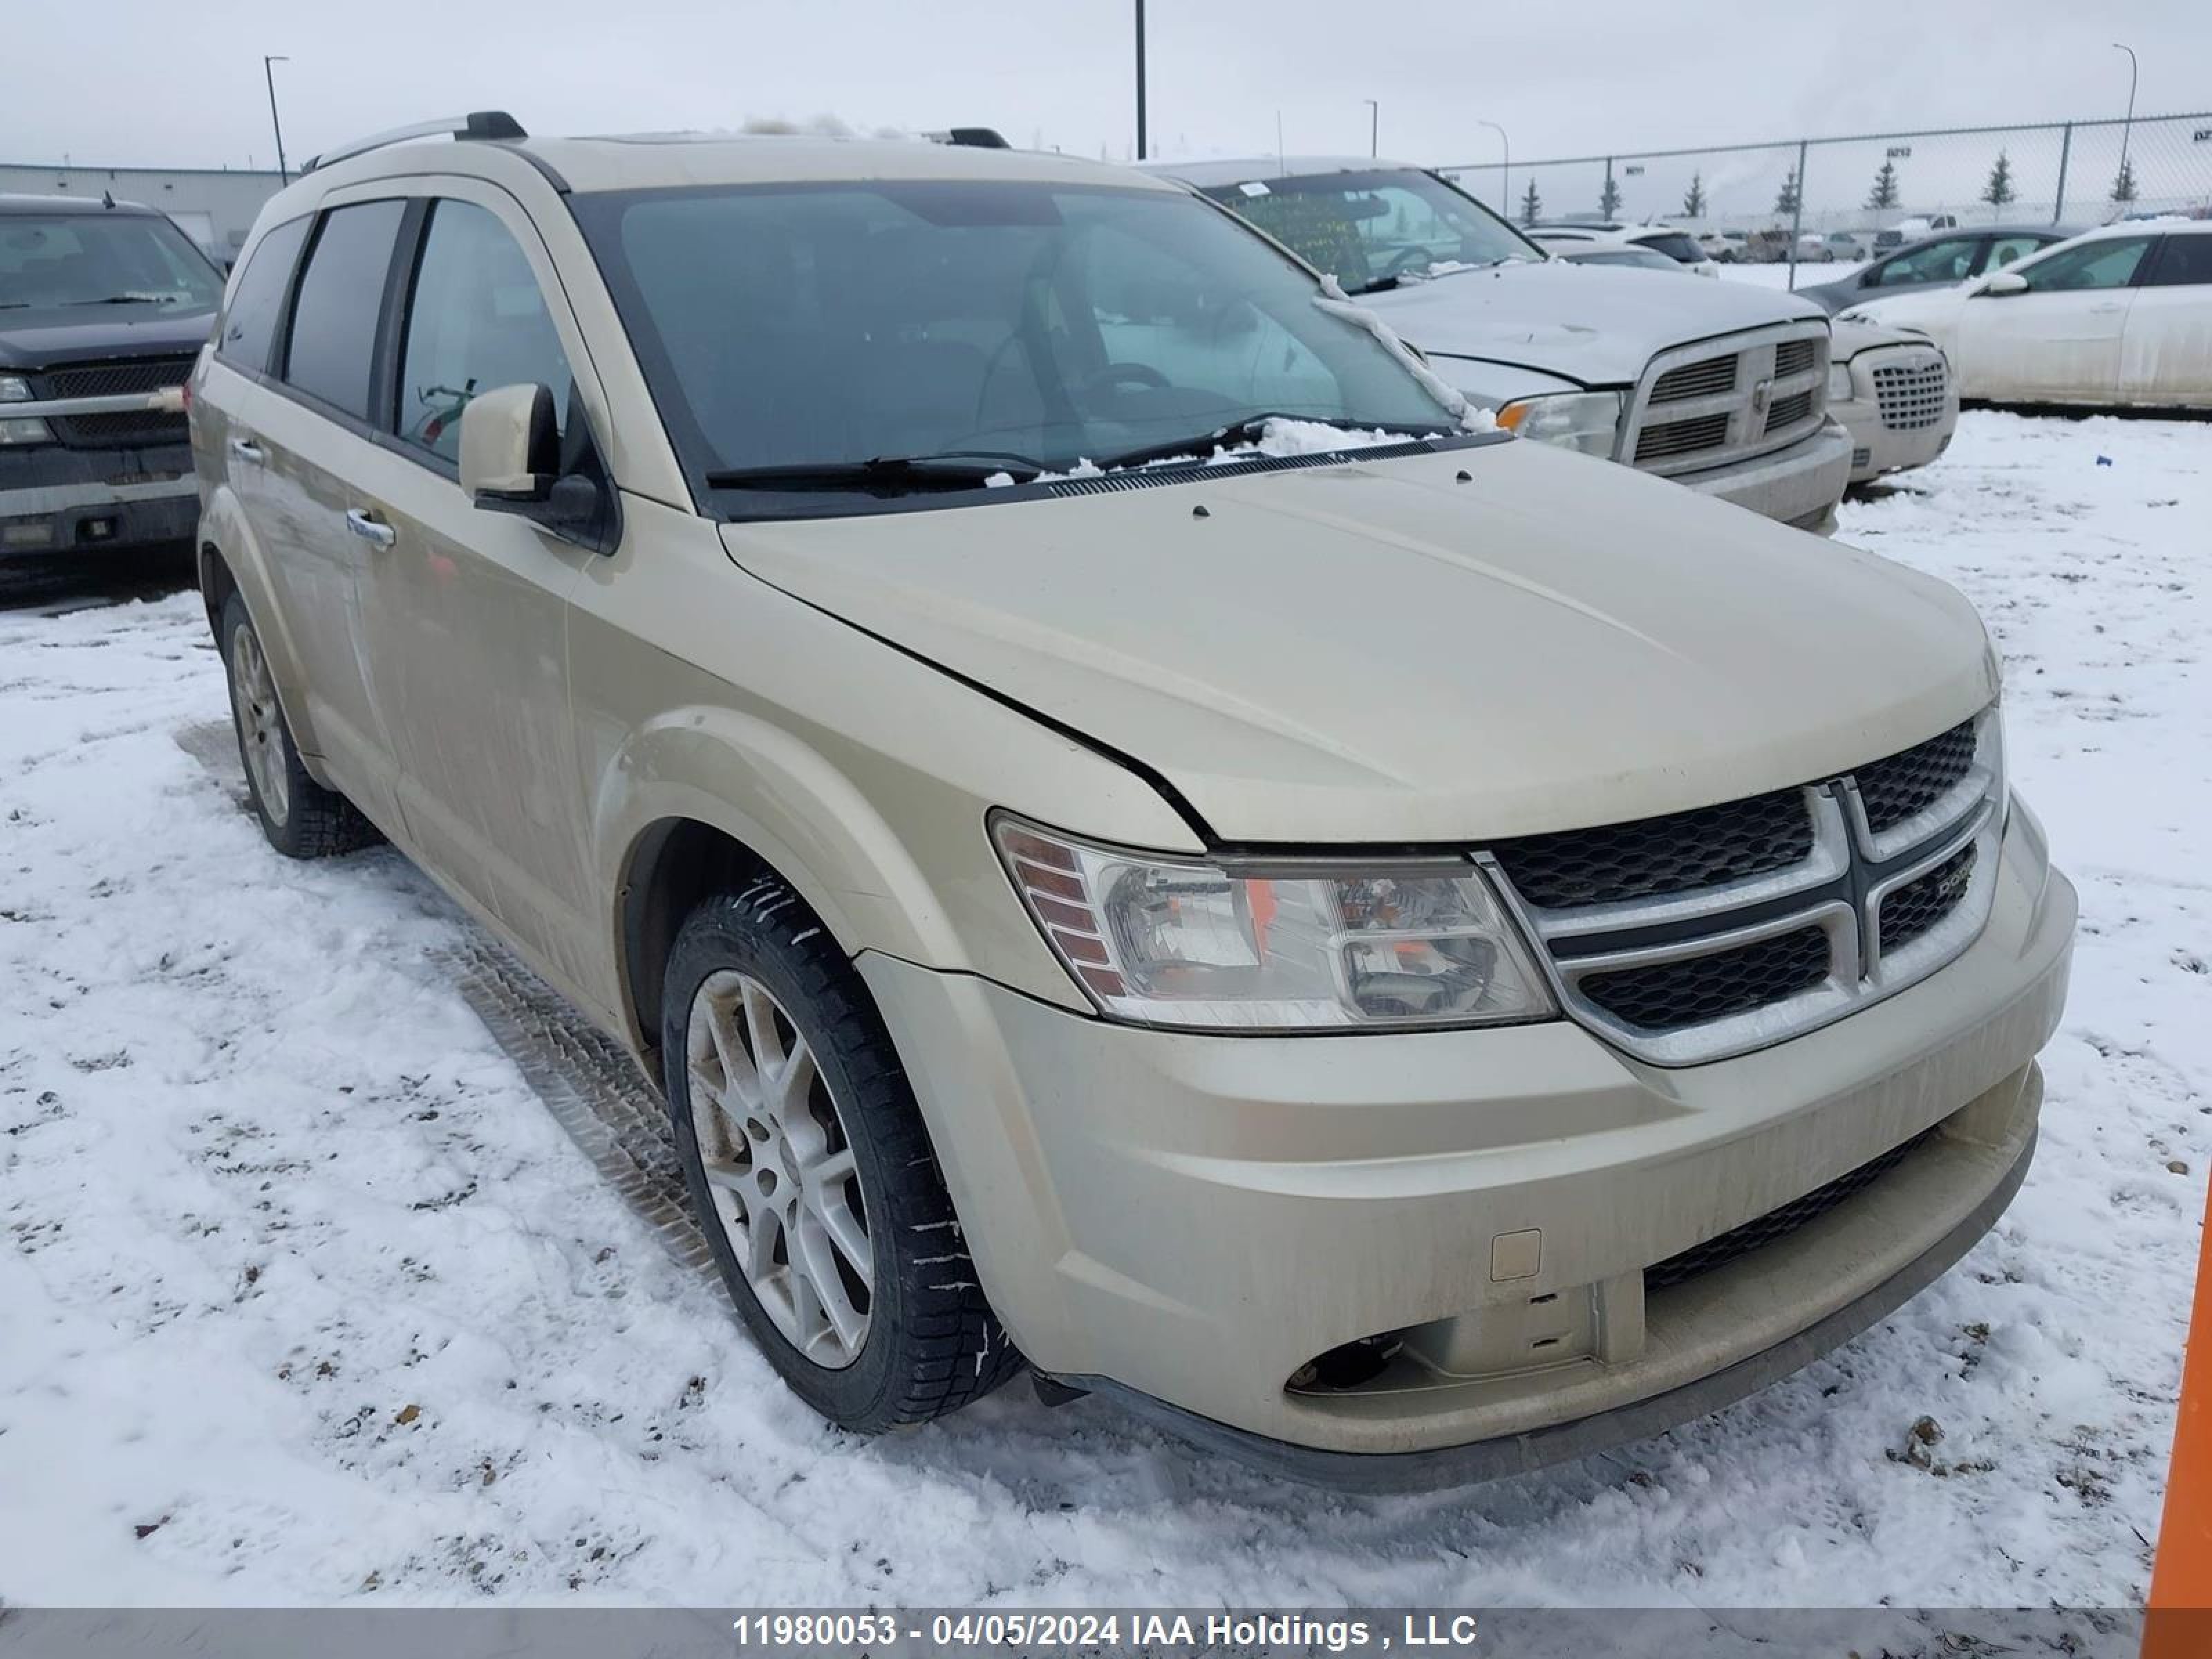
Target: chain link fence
[{"x": 1813, "y": 200}]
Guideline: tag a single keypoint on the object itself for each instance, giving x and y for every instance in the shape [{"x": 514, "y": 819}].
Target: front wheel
[{"x": 812, "y": 1174}]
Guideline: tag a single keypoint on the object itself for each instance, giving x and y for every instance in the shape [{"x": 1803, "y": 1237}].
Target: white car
[
  {"x": 1679, "y": 246},
  {"x": 2121, "y": 316},
  {"x": 1580, "y": 250},
  {"x": 1894, "y": 394}
]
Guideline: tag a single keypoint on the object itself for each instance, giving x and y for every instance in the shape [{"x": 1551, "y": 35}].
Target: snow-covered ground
[{"x": 304, "y": 1296}]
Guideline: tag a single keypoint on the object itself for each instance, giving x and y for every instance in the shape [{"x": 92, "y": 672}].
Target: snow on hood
[
  {"x": 1586, "y": 322},
  {"x": 1482, "y": 641}
]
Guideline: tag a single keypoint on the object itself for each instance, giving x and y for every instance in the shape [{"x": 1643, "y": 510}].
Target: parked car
[
  {"x": 102, "y": 306},
  {"x": 2120, "y": 316},
  {"x": 1600, "y": 250},
  {"x": 1046, "y": 960},
  {"x": 1893, "y": 392},
  {"x": 1813, "y": 249},
  {"x": 1678, "y": 246},
  {"x": 1727, "y": 247},
  {"x": 1848, "y": 245},
  {"x": 1936, "y": 262},
  {"x": 1607, "y": 363}
]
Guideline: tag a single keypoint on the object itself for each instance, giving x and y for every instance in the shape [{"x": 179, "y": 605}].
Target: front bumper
[
  {"x": 54, "y": 499},
  {"x": 1194, "y": 1218},
  {"x": 1799, "y": 485}
]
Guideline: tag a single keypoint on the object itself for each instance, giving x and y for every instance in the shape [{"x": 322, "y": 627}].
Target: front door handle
[
  {"x": 246, "y": 450},
  {"x": 359, "y": 522}
]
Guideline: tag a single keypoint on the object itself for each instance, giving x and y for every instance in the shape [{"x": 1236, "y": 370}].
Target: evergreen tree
[
  {"x": 1884, "y": 193},
  {"x": 1532, "y": 205},
  {"x": 1785, "y": 199},
  {"x": 1999, "y": 190},
  {"x": 1609, "y": 201},
  {"x": 2123, "y": 186},
  {"x": 1694, "y": 204}
]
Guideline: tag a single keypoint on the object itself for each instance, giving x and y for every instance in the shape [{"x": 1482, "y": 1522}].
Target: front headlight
[
  {"x": 1275, "y": 943},
  {"x": 1584, "y": 421},
  {"x": 14, "y": 389},
  {"x": 1839, "y": 383}
]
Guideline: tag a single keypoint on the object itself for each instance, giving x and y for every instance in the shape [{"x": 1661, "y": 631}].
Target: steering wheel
[
  {"x": 1113, "y": 374},
  {"x": 1406, "y": 259}
]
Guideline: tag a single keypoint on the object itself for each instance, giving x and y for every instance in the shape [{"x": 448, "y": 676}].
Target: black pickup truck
[{"x": 103, "y": 308}]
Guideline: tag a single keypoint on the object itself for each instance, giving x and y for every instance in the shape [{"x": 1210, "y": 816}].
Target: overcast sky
[{"x": 132, "y": 81}]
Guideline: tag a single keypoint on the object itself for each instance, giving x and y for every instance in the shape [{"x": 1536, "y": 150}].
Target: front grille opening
[
  {"x": 1702, "y": 379},
  {"x": 1776, "y": 1224},
  {"x": 1659, "y": 443},
  {"x": 1792, "y": 358},
  {"x": 114, "y": 379},
  {"x": 1787, "y": 411},
  {"x": 1909, "y": 398},
  {"x": 1917, "y": 906},
  {"x": 1894, "y": 789},
  {"x": 1678, "y": 853},
  {"x": 1693, "y": 990}
]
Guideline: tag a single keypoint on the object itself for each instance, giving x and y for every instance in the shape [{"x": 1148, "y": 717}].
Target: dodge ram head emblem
[{"x": 1760, "y": 394}]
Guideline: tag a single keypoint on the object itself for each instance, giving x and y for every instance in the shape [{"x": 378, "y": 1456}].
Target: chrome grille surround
[
  {"x": 1911, "y": 386},
  {"x": 1838, "y": 887},
  {"x": 109, "y": 379},
  {"x": 1753, "y": 385}
]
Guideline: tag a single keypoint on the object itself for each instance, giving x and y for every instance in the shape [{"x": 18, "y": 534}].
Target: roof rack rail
[
  {"x": 491, "y": 123},
  {"x": 973, "y": 137}
]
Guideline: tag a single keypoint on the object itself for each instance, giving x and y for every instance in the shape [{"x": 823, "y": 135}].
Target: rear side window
[
  {"x": 478, "y": 322},
  {"x": 2182, "y": 259},
  {"x": 249, "y": 326},
  {"x": 2087, "y": 266},
  {"x": 333, "y": 344}
]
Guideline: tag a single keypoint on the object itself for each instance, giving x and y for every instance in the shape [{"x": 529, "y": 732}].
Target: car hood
[
  {"x": 1593, "y": 325},
  {"x": 48, "y": 337},
  {"x": 1375, "y": 653}
]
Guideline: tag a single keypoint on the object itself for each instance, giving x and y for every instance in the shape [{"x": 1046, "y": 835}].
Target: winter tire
[{"x": 811, "y": 1173}]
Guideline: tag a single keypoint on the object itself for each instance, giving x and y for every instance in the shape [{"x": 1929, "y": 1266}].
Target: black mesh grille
[
  {"x": 1921, "y": 903},
  {"x": 114, "y": 379},
  {"x": 1690, "y": 992},
  {"x": 1682, "y": 851},
  {"x": 1894, "y": 789},
  {"x": 1776, "y": 1224}
]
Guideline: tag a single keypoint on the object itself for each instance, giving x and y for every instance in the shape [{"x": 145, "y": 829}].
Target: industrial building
[{"x": 215, "y": 206}]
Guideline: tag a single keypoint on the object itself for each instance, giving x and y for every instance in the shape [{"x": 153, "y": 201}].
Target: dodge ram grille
[
  {"x": 1727, "y": 400},
  {"x": 1710, "y": 932}
]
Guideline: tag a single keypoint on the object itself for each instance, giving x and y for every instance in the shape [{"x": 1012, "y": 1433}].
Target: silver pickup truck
[{"x": 1719, "y": 386}]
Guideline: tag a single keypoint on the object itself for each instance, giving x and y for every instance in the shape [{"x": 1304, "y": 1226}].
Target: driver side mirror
[{"x": 2003, "y": 283}]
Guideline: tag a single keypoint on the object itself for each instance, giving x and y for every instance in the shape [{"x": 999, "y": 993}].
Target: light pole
[
  {"x": 1505, "y": 191},
  {"x": 2127, "y": 126},
  {"x": 1374, "y": 125},
  {"x": 1140, "y": 80},
  {"x": 269, "y": 75}
]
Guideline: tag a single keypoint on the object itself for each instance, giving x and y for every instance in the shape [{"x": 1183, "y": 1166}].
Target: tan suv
[{"x": 1134, "y": 840}]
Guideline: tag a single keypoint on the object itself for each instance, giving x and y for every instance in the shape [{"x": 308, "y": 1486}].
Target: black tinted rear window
[
  {"x": 2183, "y": 259},
  {"x": 334, "y": 319},
  {"x": 250, "y": 325}
]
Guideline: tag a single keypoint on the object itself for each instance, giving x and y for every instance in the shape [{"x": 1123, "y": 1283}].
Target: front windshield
[
  {"x": 1015, "y": 326},
  {"x": 1373, "y": 230},
  {"x": 106, "y": 258}
]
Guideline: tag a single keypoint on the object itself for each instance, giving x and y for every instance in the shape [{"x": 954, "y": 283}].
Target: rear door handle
[
  {"x": 359, "y": 522},
  {"x": 246, "y": 450}
]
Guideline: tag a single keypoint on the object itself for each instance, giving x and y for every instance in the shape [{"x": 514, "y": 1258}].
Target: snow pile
[{"x": 303, "y": 1296}]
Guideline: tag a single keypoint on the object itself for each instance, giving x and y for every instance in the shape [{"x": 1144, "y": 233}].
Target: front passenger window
[
  {"x": 478, "y": 322},
  {"x": 2087, "y": 265}
]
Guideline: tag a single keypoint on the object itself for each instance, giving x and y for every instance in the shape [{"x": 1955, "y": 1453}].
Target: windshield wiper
[
  {"x": 954, "y": 469},
  {"x": 130, "y": 299},
  {"x": 1249, "y": 431},
  {"x": 1380, "y": 285}
]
